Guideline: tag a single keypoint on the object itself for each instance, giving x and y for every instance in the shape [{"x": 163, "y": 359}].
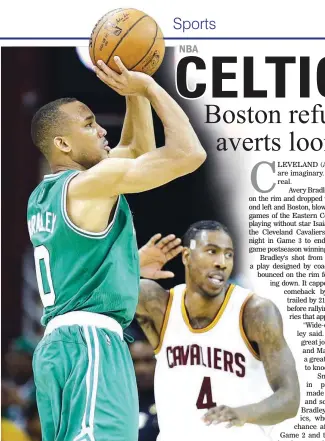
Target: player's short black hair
[
  {"x": 46, "y": 123},
  {"x": 195, "y": 228}
]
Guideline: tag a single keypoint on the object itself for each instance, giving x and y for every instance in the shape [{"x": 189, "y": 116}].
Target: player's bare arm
[
  {"x": 153, "y": 298},
  {"x": 182, "y": 153},
  {"x": 151, "y": 309},
  {"x": 93, "y": 193},
  {"x": 137, "y": 138},
  {"x": 263, "y": 326},
  {"x": 138, "y": 135}
]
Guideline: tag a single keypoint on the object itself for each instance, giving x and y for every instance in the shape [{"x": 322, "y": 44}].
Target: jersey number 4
[
  {"x": 44, "y": 276},
  {"x": 205, "y": 400}
]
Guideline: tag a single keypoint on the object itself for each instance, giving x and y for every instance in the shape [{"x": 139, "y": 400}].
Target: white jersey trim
[
  {"x": 75, "y": 228},
  {"x": 84, "y": 318},
  {"x": 87, "y": 425},
  {"x": 54, "y": 175},
  {"x": 218, "y": 316}
]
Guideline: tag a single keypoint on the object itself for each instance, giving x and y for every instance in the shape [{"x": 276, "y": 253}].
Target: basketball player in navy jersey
[{"x": 221, "y": 354}]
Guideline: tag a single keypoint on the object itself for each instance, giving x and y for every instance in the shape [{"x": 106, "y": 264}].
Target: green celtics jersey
[{"x": 78, "y": 270}]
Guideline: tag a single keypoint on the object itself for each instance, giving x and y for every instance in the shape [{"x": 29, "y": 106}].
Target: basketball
[{"x": 130, "y": 34}]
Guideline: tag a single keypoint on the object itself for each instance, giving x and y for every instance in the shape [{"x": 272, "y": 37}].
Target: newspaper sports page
[{"x": 251, "y": 78}]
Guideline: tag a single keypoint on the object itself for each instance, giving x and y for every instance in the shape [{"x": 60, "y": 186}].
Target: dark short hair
[
  {"x": 195, "y": 228},
  {"x": 47, "y": 123}
]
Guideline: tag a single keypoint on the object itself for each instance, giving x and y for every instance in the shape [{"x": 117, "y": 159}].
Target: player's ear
[
  {"x": 62, "y": 144},
  {"x": 185, "y": 256}
]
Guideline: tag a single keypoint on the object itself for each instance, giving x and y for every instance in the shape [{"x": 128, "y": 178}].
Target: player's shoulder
[
  {"x": 35, "y": 193},
  {"x": 261, "y": 315},
  {"x": 259, "y": 305},
  {"x": 55, "y": 180},
  {"x": 151, "y": 290},
  {"x": 100, "y": 181}
]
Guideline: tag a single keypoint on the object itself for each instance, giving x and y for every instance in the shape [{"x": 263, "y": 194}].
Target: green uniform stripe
[
  {"x": 89, "y": 377},
  {"x": 95, "y": 348},
  {"x": 65, "y": 350},
  {"x": 45, "y": 282}
]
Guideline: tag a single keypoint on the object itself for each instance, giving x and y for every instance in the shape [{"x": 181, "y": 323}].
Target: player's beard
[
  {"x": 87, "y": 160},
  {"x": 198, "y": 282}
]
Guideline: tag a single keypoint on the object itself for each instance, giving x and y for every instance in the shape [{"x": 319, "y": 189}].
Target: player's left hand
[
  {"x": 156, "y": 253},
  {"x": 125, "y": 83},
  {"x": 224, "y": 414}
]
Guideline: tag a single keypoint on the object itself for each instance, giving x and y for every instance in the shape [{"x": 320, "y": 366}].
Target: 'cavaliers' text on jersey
[{"x": 214, "y": 358}]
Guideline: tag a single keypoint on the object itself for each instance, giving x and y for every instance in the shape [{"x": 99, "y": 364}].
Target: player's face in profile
[
  {"x": 210, "y": 261},
  {"x": 86, "y": 138}
]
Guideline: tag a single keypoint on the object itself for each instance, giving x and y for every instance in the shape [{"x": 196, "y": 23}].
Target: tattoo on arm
[
  {"x": 263, "y": 326},
  {"x": 151, "y": 309}
]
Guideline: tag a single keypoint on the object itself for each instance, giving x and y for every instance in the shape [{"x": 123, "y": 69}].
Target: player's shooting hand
[
  {"x": 156, "y": 253},
  {"x": 224, "y": 414},
  {"x": 125, "y": 83}
]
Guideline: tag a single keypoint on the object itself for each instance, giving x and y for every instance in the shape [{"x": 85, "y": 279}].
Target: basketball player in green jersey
[{"x": 86, "y": 256}]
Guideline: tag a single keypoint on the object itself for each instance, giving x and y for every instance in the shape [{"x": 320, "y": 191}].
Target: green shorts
[{"x": 85, "y": 385}]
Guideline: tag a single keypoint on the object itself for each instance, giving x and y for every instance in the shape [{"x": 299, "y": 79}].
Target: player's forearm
[
  {"x": 127, "y": 129},
  {"x": 273, "y": 410},
  {"x": 179, "y": 133},
  {"x": 143, "y": 140},
  {"x": 145, "y": 321},
  {"x": 138, "y": 133}
]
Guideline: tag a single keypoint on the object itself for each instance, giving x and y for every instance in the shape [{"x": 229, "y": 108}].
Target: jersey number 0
[{"x": 44, "y": 276}]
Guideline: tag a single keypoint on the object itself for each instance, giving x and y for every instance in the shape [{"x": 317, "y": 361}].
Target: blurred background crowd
[{"x": 30, "y": 78}]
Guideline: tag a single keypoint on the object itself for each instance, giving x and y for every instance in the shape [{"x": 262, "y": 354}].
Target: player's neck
[
  {"x": 200, "y": 305},
  {"x": 71, "y": 165},
  {"x": 61, "y": 162}
]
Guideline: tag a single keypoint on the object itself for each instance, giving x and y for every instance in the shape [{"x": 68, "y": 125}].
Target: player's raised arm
[
  {"x": 182, "y": 153},
  {"x": 138, "y": 135},
  {"x": 153, "y": 298},
  {"x": 263, "y": 326}
]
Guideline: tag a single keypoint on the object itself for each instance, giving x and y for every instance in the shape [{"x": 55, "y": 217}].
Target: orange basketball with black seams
[{"x": 133, "y": 36}]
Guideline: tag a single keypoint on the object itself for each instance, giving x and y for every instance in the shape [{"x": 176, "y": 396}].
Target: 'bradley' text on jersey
[{"x": 41, "y": 222}]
